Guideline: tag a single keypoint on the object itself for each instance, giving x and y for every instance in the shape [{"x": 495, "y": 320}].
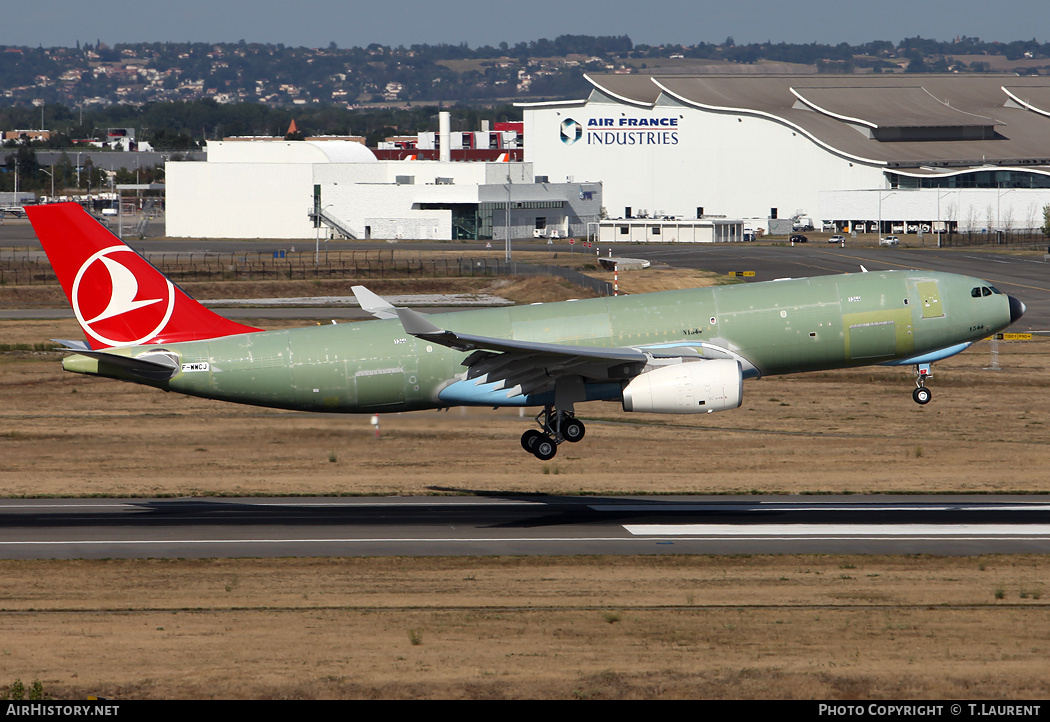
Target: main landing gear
[
  {"x": 557, "y": 426},
  {"x": 921, "y": 394}
]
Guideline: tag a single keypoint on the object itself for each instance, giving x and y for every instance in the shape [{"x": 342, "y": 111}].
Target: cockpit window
[
  {"x": 979, "y": 291},
  {"x": 976, "y": 292}
]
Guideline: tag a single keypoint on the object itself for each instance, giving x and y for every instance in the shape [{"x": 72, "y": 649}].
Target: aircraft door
[
  {"x": 872, "y": 339},
  {"x": 378, "y": 387},
  {"x": 930, "y": 299}
]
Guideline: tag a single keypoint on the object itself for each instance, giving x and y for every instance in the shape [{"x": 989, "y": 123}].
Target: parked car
[
  {"x": 889, "y": 241},
  {"x": 798, "y": 238},
  {"x": 837, "y": 239}
]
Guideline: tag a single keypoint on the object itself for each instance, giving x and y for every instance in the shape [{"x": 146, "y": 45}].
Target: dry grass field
[
  {"x": 799, "y": 627},
  {"x": 810, "y": 627}
]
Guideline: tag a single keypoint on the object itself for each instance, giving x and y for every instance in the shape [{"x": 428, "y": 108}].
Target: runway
[{"x": 520, "y": 525}]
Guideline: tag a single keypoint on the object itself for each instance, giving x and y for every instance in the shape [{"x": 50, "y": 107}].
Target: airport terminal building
[{"x": 913, "y": 153}]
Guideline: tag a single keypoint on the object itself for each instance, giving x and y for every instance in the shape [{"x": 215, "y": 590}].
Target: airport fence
[
  {"x": 31, "y": 268},
  {"x": 1027, "y": 239}
]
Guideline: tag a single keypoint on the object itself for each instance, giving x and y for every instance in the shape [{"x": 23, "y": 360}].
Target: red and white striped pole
[{"x": 616, "y": 281}]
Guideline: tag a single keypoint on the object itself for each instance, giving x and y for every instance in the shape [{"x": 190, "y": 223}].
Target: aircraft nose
[{"x": 1017, "y": 309}]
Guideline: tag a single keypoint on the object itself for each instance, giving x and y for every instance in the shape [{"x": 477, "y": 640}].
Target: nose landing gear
[
  {"x": 921, "y": 394},
  {"x": 557, "y": 426}
]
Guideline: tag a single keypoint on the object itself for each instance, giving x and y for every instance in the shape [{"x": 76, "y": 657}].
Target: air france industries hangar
[{"x": 956, "y": 152}]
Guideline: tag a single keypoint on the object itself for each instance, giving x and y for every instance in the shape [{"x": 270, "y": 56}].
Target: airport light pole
[
  {"x": 317, "y": 231},
  {"x": 938, "y": 219},
  {"x": 880, "y": 212},
  {"x": 998, "y": 205},
  {"x": 507, "y": 220},
  {"x": 52, "y": 174}
]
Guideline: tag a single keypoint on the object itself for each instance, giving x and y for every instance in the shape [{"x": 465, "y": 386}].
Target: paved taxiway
[{"x": 523, "y": 524}]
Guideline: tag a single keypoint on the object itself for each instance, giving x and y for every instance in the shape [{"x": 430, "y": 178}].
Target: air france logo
[
  {"x": 571, "y": 131},
  {"x": 125, "y": 316}
]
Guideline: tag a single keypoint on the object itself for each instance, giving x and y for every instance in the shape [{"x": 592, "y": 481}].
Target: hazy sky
[{"x": 316, "y": 23}]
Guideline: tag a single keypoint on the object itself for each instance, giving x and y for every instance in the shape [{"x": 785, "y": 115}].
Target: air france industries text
[{"x": 632, "y": 137}]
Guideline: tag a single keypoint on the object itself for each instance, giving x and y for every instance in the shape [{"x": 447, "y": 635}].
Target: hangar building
[
  {"x": 276, "y": 188},
  {"x": 896, "y": 153}
]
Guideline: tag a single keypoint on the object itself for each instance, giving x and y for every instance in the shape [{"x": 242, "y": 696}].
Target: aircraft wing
[
  {"x": 420, "y": 326},
  {"x": 525, "y": 367},
  {"x": 373, "y": 304}
]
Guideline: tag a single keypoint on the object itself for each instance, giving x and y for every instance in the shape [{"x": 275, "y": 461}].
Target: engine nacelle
[{"x": 694, "y": 387}]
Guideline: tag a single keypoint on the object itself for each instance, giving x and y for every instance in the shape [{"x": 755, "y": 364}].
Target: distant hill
[{"x": 381, "y": 76}]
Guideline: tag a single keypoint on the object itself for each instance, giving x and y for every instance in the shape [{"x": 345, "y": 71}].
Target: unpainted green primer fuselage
[{"x": 774, "y": 327}]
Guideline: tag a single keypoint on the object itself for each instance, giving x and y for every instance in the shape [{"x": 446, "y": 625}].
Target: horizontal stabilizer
[{"x": 155, "y": 365}]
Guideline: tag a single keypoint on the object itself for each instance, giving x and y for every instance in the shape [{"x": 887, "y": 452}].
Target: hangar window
[
  {"x": 973, "y": 179},
  {"x": 655, "y": 230},
  {"x": 623, "y": 230}
]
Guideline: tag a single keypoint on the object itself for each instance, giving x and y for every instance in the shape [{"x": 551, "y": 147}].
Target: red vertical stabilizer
[{"x": 117, "y": 296}]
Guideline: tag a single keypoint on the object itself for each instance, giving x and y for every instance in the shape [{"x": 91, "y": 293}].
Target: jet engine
[{"x": 694, "y": 387}]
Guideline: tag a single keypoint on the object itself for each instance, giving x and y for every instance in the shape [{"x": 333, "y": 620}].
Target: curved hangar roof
[
  {"x": 278, "y": 150},
  {"x": 899, "y": 121}
]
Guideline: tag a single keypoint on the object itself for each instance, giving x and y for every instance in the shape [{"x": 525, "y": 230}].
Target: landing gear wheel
[
  {"x": 572, "y": 430},
  {"x": 528, "y": 439},
  {"x": 545, "y": 448},
  {"x": 922, "y": 395}
]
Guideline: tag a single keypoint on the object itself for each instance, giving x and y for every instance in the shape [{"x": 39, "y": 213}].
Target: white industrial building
[
  {"x": 916, "y": 152},
  {"x": 278, "y": 188},
  {"x": 670, "y": 230}
]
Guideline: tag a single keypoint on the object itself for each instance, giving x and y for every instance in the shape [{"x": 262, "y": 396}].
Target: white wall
[
  {"x": 430, "y": 225},
  {"x": 641, "y": 231},
  {"x": 729, "y": 164},
  {"x": 971, "y": 208},
  {"x": 238, "y": 200},
  {"x": 272, "y": 200}
]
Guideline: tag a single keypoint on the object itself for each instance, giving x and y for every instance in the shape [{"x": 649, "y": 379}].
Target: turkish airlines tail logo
[
  {"x": 125, "y": 288},
  {"x": 107, "y": 303}
]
